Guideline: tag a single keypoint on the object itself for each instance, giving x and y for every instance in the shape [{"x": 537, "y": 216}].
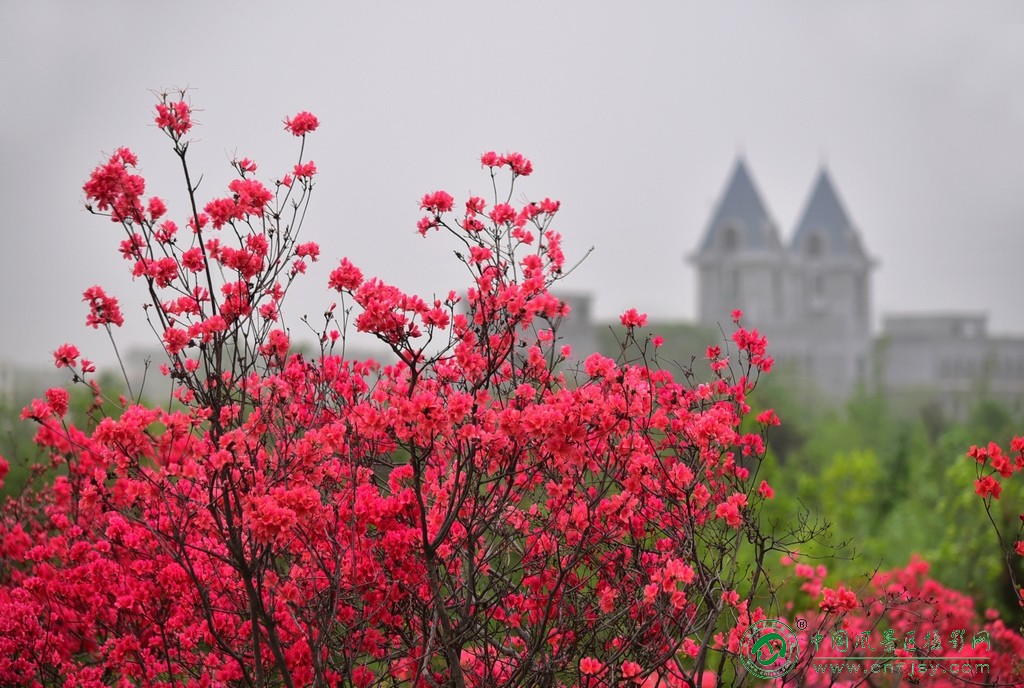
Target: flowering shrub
[
  {"x": 475, "y": 514},
  {"x": 902, "y": 627}
]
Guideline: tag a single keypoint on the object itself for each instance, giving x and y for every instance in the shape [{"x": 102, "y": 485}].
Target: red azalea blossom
[
  {"x": 519, "y": 165},
  {"x": 66, "y": 355},
  {"x": 632, "y": 318},
  {"x": 103, "y": 310},
  {"x": 304, "y": 170},
  {"x": 175, "y": 118},
  {"x": 251, "y": 195},
  {"x": 301, "y": 124},
  {"x": 437, "y": 202},
  {"x": 988, "y": 487},
  {"x": 192, "y": 259},
  {"x": 631, "y": 671},
  {"x": 309, "y": 250},
  {"x": 112, "y": 187},
  {"x": 58, "y": 400},
  {"x": 502, "y": 213},
  {"x": 156, "y": 208},
  {"x": 345, "y": 277},
  {"x": 164, "y": 234},
  {"x": 175, "y": 340},
  {"x": 222, "y": 211},
  {"x": 837, "y": 601}
]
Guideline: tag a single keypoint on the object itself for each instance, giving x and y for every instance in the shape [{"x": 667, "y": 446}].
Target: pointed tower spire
[
  {"x": 740, "y": 221},
  {"x": 825, "y": 228},
  {"x": 740, "y": 261}
]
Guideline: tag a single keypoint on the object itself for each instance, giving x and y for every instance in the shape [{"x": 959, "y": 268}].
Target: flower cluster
[
  {"x": 301, "y": 124},
  {"x": 174, "y": 117},
  {"x": 103, "y": 310},
  {"x": 519, "y": 165},
  {"x": 112, "y": 187}
]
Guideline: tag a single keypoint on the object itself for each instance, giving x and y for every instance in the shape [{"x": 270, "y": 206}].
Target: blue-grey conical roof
[
  {"x": 742, "y": 213},
  {"x": 826, "y": 224}
]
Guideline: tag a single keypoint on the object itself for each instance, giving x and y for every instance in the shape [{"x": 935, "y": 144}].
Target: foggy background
[{"x": 632, "y": 113}]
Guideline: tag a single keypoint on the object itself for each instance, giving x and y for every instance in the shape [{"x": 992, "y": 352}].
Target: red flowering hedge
[{"x": 475, "y": 514}]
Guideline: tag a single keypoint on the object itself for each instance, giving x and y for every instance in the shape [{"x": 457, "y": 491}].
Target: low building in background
[{"x": 951, "y": 361}]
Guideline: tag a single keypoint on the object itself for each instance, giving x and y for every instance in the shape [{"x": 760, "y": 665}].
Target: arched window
[
  {"x": 815, "y": 245},
  {"x": 730, "y": 239}
]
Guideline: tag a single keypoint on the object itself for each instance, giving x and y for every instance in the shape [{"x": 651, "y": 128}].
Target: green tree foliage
[{"x": 891, "y": 485}]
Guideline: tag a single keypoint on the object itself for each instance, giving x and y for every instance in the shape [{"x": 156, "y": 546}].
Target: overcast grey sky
[{"x": 633, "y": 114}]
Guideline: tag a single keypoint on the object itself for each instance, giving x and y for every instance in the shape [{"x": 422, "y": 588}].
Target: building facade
[{"x": 950, "y": 361}]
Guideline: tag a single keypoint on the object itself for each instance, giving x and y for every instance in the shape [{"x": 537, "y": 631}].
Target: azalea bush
[
  {"x": 901, "y": 627},
  {"x": 480, "y": 512}
]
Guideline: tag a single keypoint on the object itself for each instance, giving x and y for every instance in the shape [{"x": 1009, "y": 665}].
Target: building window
[
  {"x": 814, "y": 246},
  {"x": 730, "y": 239}
]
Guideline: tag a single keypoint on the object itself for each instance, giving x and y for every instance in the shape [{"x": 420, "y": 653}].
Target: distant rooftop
[
  {"x": 968, "y": 325},
  {"x": 741, "y": 218},
  {"x": 825, "y": 228}
]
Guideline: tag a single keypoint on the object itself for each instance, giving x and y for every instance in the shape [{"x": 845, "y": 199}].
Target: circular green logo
[{"x": 769, "y": 648}]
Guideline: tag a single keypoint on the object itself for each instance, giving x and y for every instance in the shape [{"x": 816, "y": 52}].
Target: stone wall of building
[{"x": 950, "y": 360}]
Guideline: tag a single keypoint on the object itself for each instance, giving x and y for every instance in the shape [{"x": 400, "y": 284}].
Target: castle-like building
[{"x": 811, "y": 295}]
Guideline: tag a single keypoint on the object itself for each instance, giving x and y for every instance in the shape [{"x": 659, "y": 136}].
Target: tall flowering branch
[{"x": 994, "y": 466}]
